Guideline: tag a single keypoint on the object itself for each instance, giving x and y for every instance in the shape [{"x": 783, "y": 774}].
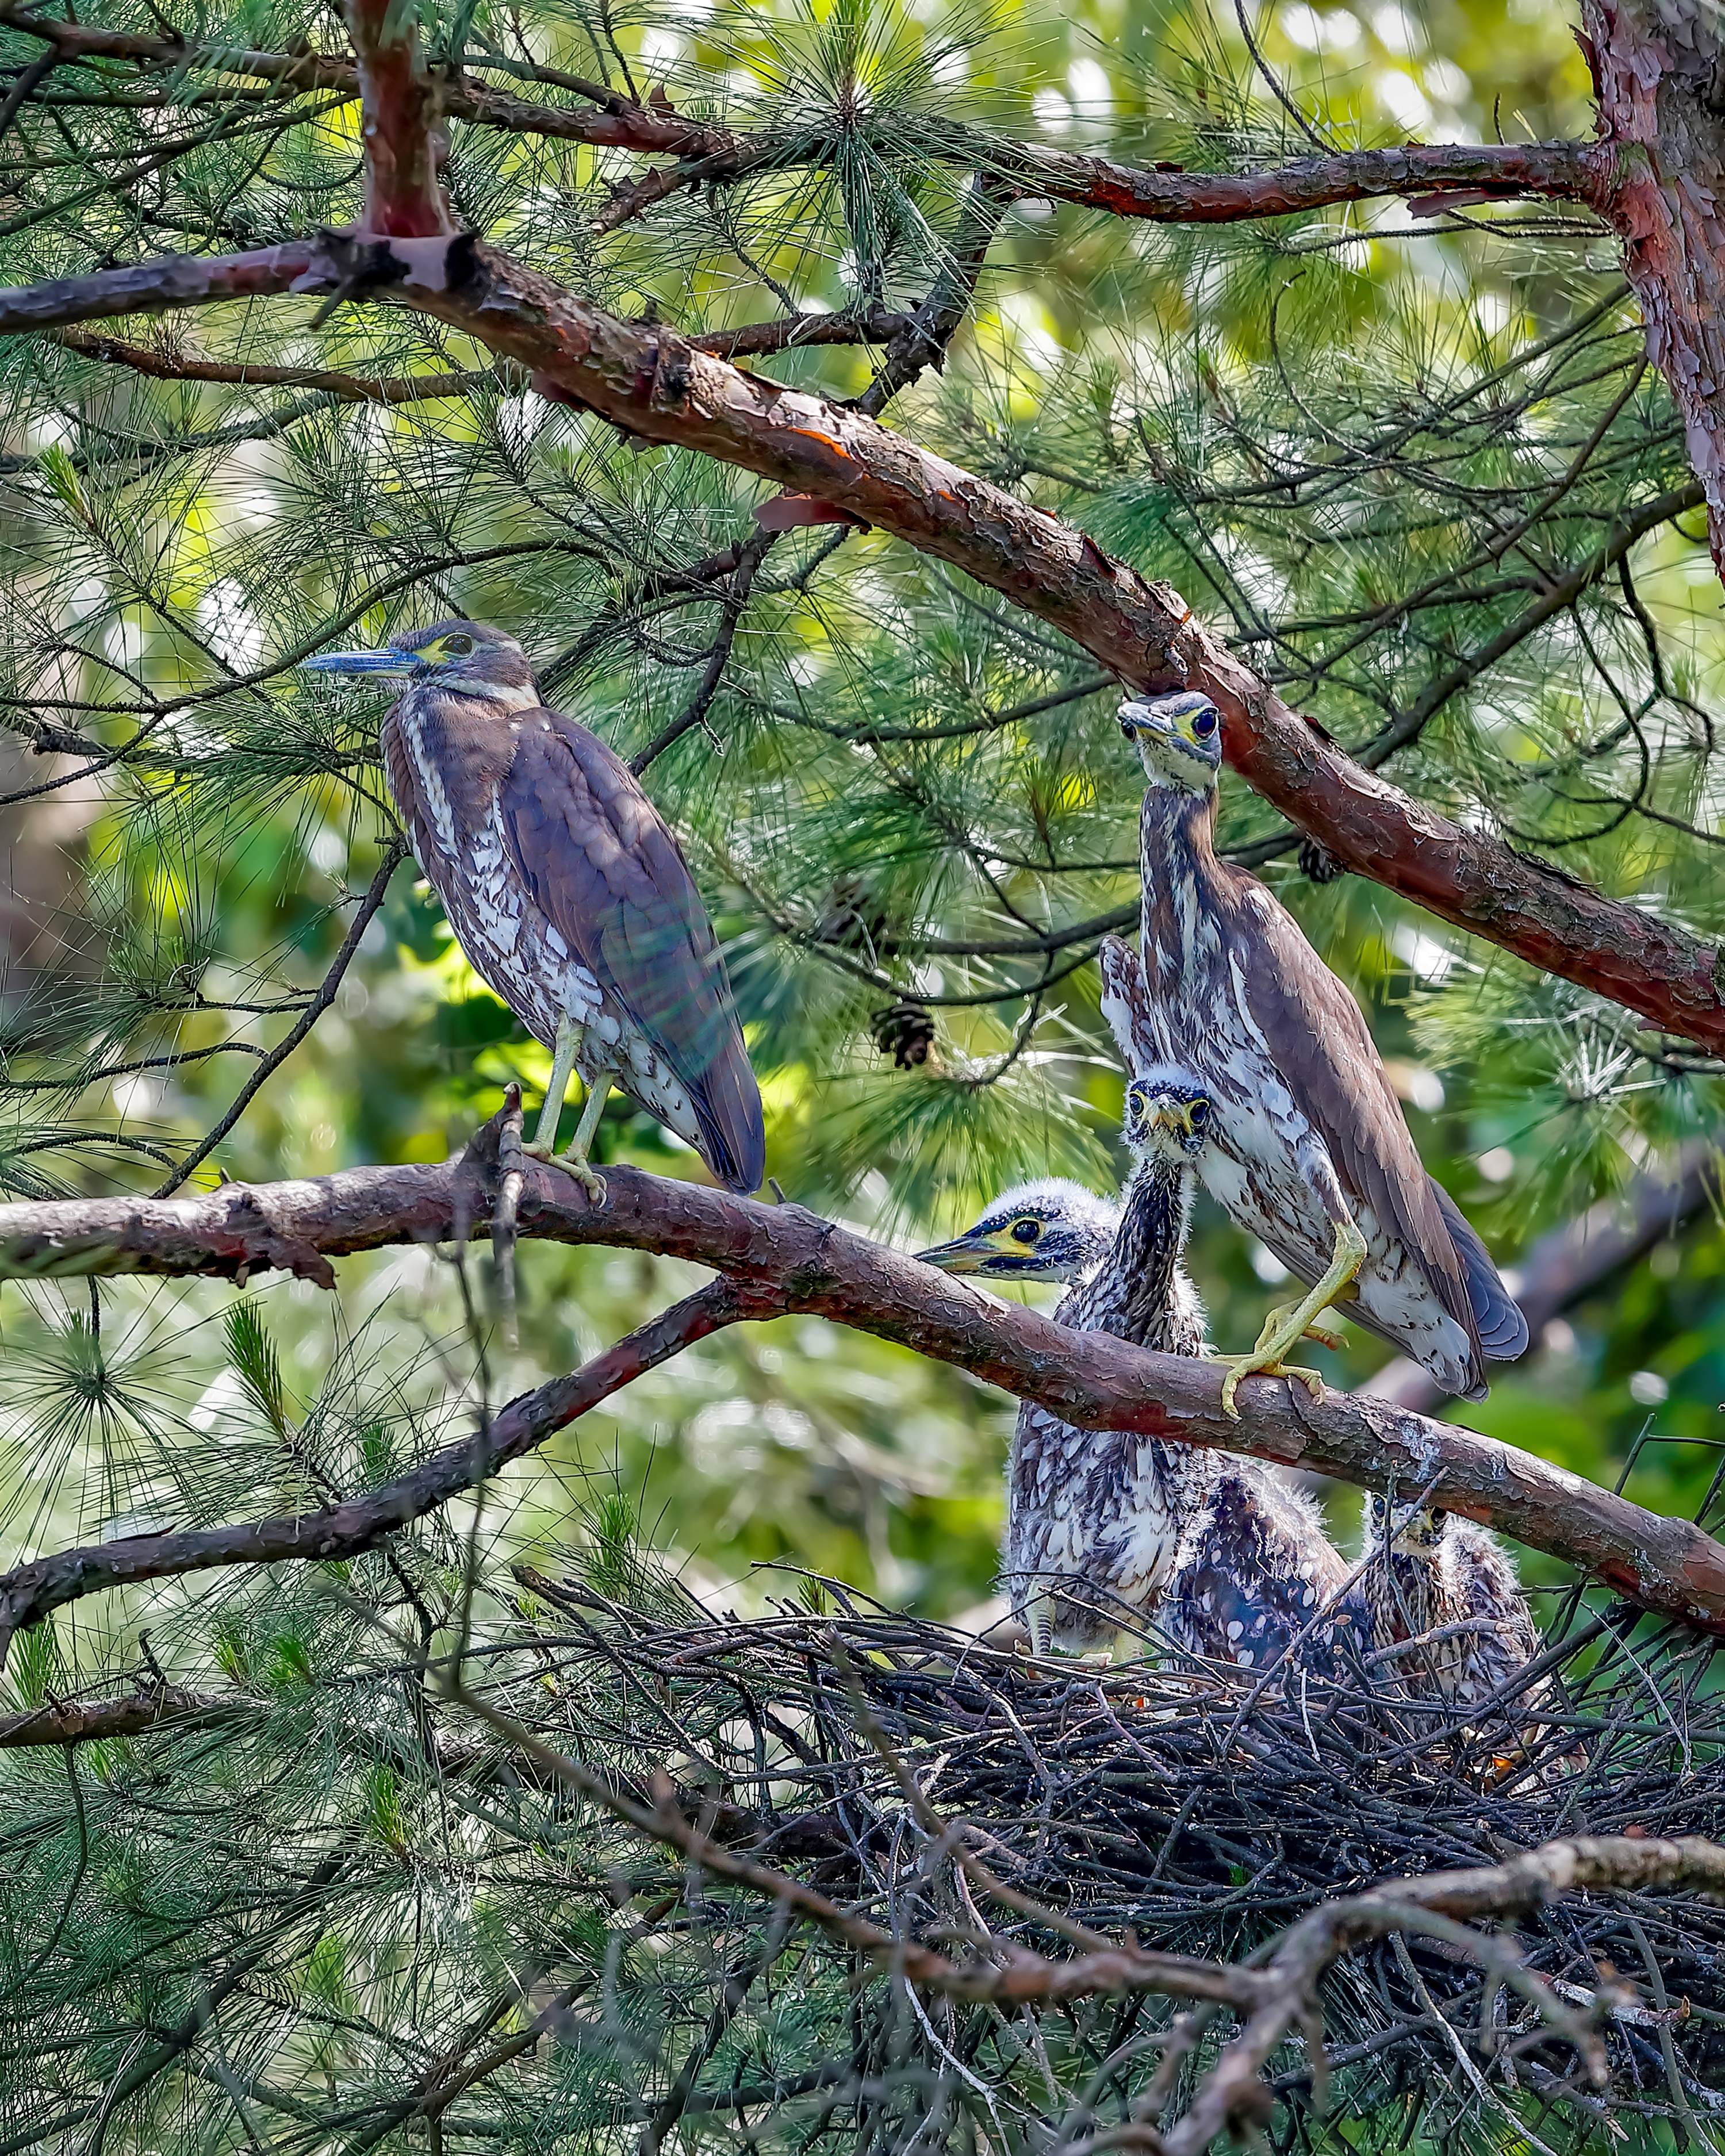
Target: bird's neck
[
  {"x": 1131, "y": 1292},
  {"x": 1182, "y": 880}
]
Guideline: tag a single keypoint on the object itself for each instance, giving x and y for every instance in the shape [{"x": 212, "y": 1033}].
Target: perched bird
[
  {"x": 1255, "y": 1580},
  {"x": 1093, "y": 1517},
  {"x": 1307, "y": 1147},
  {"x": 568, "y": 893},
  {"x": 1215, "y": 1554},
  {"x": 1436, "y": 1573}
]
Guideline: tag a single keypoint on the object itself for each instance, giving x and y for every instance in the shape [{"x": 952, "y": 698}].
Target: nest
[
  {"x": 617, "y": 1875},
  {"x": 1201, "y": 1811}
]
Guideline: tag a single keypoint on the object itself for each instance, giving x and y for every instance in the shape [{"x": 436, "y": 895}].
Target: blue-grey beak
[
  {"x": 360, "y": 662},
  {"x": 964, "y": 1253},
  {"x": 1144, "y": 719}
]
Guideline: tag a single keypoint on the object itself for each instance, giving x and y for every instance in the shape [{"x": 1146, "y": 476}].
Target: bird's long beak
[
  {"x": 964, "y": 1253},
  {"x": 1174, "y": 1116},
  {"x": 386, "y": 662}
]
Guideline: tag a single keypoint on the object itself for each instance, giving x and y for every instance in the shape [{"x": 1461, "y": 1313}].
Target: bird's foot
[
  {"x": 1258, "y": 1365},
  {"x": 1277, "y": 1323},
  {"x": 584, "y": 1172}
]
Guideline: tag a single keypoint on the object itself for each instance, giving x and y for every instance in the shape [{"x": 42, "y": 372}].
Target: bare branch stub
[{"x": 403, "y": 198}]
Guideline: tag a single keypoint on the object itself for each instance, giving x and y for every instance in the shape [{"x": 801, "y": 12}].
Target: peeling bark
[{"x": 1659, "y": 77}]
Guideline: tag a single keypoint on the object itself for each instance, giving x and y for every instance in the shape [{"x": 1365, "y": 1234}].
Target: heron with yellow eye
[{"x": 568, "y": 895}]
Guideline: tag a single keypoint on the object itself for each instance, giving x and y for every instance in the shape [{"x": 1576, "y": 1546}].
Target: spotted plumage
[
  {"x": 1434, "y": 1572},
  {"x": 1108, "y": 1529},
  {"x": 1093, "y": 1517},
  {"x": 566, "y": 892},
  {"x": 1256, "y": 1582},
  {"x": 1308, "y": 1149}
]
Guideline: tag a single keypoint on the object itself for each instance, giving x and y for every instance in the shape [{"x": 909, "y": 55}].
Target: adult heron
[
  {"x": 1308, "y": 1149},
  {"x": 568, "y": 895}
]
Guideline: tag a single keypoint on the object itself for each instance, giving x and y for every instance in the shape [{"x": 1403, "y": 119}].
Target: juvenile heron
[
  {"x": 1307, "y": 1147},
  {"x": 1214, "y": 1553},
  {"x": 568, "y": 893},
  {"x": 1100, "y": 1511},
  {"x": 1255, "y": 1579},
  {"x": 1436, "y": 1573}
]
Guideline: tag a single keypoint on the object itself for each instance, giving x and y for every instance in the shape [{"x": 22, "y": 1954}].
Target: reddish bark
[
  {"x": 658, "y": 386},
  {"x": 404, "y": 143},
  {"x": 664, "y": 388},
  {"x": 774, "y": 1261},
  {"x": 1658, "y": 78},
  {"x": 618, "y": 123}
]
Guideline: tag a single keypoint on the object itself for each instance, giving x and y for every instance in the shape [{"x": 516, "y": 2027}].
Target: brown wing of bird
[
  {"x": 599, "y": 862},
  {"x": 1318, "y": 1037}
]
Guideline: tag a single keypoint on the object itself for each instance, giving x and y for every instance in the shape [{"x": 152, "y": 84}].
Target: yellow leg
[
  {"x": 545, "y": 1137},
  {"x": 1282, "y": 1328}
]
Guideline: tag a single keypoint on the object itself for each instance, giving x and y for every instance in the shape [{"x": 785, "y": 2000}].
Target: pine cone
[
  {"x": 904, "y": 1031},
  {"x": 1318, "y": 863}
]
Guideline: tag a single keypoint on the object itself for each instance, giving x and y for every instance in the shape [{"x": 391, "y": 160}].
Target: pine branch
[
  {"x": 656, "y": 386},
  {"x": 349, "y": 388},
  {"x": 353, "y": 1526},
  {"x": 777, "y": 1260}
]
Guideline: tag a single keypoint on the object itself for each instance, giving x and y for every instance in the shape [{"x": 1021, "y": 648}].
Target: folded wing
[{"x": 606, "y": 872}]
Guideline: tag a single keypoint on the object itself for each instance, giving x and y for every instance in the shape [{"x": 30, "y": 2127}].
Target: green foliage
[{"x": 1416, "y": 471}]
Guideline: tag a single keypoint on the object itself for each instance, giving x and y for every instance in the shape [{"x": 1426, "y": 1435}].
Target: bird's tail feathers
[
  {"x": 1503, "y": 1329},
  {"x": 734, "y": 1127}
]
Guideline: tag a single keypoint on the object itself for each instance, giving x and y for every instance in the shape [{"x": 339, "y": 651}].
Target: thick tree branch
[
  {"x": 660, "y": 386},
  {"x": 1656, "y": 74},
  {"x": 778, "y": 1259},
  {"x": 404, "y": 200}
]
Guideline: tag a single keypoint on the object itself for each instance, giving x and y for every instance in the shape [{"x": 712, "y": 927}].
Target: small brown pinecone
[
  {"x": 904, "y": 1031},
  {"x": 1318, "y": 863}
]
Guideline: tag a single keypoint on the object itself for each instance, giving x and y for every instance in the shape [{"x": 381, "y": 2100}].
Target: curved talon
[
  {"x": 1324, "y": 1337},
  {"x": 1249, "y": 1366}
]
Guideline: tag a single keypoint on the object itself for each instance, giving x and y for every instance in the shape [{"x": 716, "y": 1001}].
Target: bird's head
[
  {"x": 1416, "y": 1533},
  {"x": 1178, "y": 739},
  {"x": 1168, "y": 1113},
  {"x": 469, "y": 656},
  {"x": 1050, "y": 1231}
]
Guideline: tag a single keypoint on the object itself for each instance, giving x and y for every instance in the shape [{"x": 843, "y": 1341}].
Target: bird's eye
[
  {"x": 1199, "y": 1111},
  {"x": 1205, "y": 724},
  {"x": 458, "y": 647},
  {"x": 1126, "y": 728},
  {"x": 1025, "y": 1230}
]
